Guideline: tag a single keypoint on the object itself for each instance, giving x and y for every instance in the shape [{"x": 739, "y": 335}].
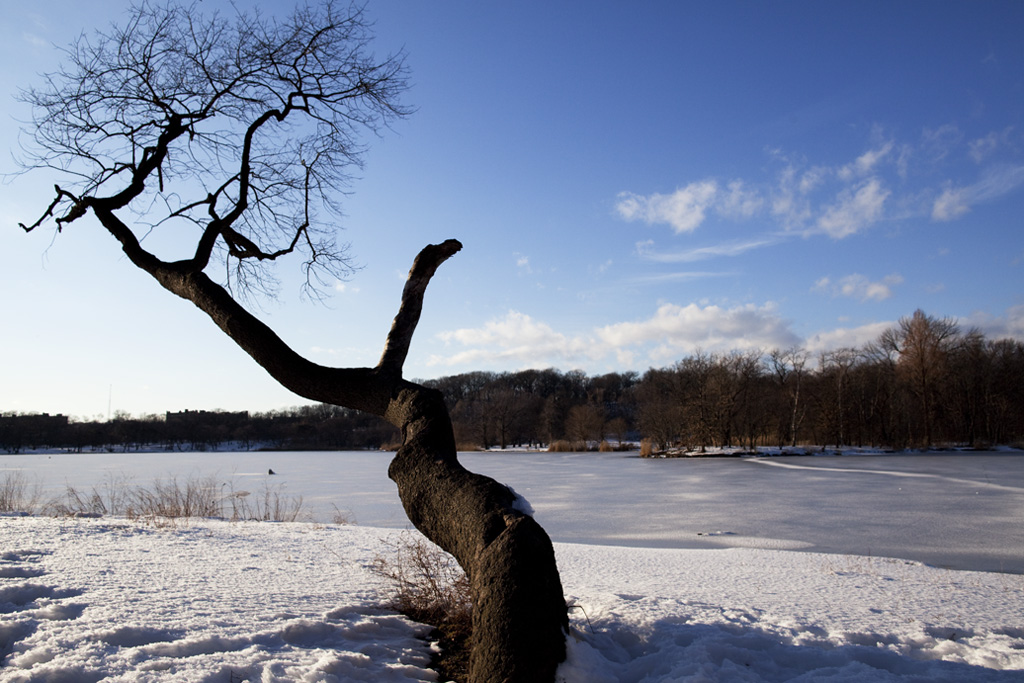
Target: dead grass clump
[
  {"x": 170, "y": 499},
  {"x": 646, "y": 448},
  {"x": 268, "y": 506},
  {"x": 429, "y": 587},
  {"x": 605, "y": 447},
  {"x": 16, "y": 495},
  {"x": 560, "y": 446}
]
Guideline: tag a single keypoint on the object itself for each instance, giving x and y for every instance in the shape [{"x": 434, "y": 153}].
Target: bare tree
[
  {"x": 835, "y": 367},
  {"x": 788, "y": 367},
  {"x": 235, "y": 134},
  {"x": 923, "y": 344},
  {"x": 584, "y": 424}
]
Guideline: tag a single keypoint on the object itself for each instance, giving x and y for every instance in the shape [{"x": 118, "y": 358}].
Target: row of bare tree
[{"x": 922, "y": 382}]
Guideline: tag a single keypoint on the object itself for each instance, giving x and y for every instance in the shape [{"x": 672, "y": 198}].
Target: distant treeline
[
  {"x": 321, "y": 427},
  {"x": 924, "y": 382}
]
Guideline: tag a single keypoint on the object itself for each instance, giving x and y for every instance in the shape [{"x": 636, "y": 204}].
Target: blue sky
[{"x": 631, "y": 181}]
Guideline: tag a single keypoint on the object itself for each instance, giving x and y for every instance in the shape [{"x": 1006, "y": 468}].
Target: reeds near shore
[{"x": 164, "y": 499}]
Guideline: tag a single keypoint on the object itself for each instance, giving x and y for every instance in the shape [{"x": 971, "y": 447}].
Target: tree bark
[{"x": 519, "y": 613}]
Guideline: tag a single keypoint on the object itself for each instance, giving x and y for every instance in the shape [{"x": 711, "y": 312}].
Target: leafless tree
[
  {"x": 835, "y": 367},
  {"x": 788, "y": 368},
  {"x": 923, "y": 344},
  {"x": 584, "y": 424},
  {"x": 235, "y": 135}
]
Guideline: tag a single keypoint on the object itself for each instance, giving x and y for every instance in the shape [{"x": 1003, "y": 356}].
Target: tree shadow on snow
[{"x": 672, "y": 650}]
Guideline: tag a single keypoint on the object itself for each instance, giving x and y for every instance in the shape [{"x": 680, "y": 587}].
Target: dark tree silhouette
[{"x": 236, "y": 135}]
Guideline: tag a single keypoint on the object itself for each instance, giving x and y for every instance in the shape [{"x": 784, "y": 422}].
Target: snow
[{"x": 111, "y": 599}]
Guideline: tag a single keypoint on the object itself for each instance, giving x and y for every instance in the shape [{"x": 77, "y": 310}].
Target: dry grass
[
  {"x": 429, "y": 586},
  {"x": 270, "y": 505},
  {"x": 17, "y": 495},
  {"x": 646, "y": 448},
  {"x": 171, "y": 499}
]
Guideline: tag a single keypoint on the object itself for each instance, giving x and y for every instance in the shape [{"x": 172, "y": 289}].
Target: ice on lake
[{"x": 961, "y": 511}]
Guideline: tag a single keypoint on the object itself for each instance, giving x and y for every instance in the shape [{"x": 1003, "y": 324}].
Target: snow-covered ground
[{"x": 88, "y": 600}]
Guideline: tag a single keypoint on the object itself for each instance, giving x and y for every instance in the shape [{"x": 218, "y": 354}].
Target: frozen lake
[{"x": 962, "y": 511}]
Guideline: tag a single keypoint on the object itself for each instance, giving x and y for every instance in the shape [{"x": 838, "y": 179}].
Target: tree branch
[{"x": 396, "y": 348}]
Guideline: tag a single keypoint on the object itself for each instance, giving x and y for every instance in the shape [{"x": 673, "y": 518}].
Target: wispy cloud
[
  {"x": 995, "y": 182},
  {"x": 939, "y": 142},
  {"x": 865, "y": 163},
  {"x": 679, "y": 276},
  {"x": 647, "y": 251},
  {"x": 984, "y": 147},
  {"x": 857, "y": 286},
  {"x": 34, "y": 40}
]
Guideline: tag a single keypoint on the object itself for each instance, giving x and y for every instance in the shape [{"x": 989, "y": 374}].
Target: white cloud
[
  {"x": 684, "y": 209},
  {"x": 846, "y": 337},
  {"x": 865, "y": 163},
  {"x": 672, "y": 332},
  {"x": 812, "y": 179},
  {"x": 1008, "y": 326},
  {"x": 790, "y": 203},
  {"x": 857, "y": 286},
  {"x": 952, "y": 203},
  {"x": 677, "y": 330},
  {"x": 854, "y": 210},
  {"x": 837, "y": 201},
  {"x": 523, "y": 263},
  {"x": 739, "y": 202},
  {"x": 516, "y": 337}
]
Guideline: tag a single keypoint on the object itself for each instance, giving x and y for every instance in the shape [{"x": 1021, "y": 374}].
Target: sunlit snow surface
[{"x": 108, "y": 599}]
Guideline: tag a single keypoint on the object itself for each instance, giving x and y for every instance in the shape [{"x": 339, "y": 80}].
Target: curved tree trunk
[{"x": 519, "y": 612}]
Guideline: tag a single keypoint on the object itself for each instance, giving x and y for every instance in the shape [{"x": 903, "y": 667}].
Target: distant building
[
  {"x": 207, "y": 418},
  {"x": 31, "y": 431},
  {"x": 41, "y": 421}
]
